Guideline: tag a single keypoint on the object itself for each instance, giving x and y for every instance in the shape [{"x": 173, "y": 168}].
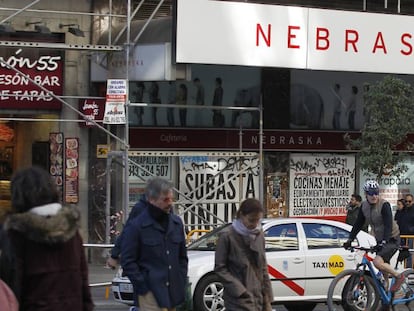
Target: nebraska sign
[{"x": 294, "y": 37}]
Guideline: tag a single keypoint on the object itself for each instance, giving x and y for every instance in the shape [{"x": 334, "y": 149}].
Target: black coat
[
  {"x": 405, "y": 220},
  {"x": 135, "y": 211},
  {"x": 51, "y": 272},
  {"x": 155, "y": 258}
]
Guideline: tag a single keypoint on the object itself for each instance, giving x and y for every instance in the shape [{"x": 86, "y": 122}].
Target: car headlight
[{"x": 119, "y": 273}]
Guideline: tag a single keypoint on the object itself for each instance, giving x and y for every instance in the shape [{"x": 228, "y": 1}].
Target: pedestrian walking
[
  {"x": 405, "y": 220},
  {"x": 352, "y": 210},
  {"x": 240, "y": 261},
  {"x": 51, "y": 272},
  {"x": 115, "y": 254},
  {"x": 153, "y": 251}
]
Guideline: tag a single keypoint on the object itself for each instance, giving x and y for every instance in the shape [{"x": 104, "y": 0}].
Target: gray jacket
[
  {"x": 380, "y": 218},
  {"x": 241, "y": 264}
]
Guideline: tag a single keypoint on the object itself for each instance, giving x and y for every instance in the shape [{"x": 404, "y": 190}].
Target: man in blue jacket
[
  {"x": 153, "y": 251},
  {"x": 115, "y": 254}
]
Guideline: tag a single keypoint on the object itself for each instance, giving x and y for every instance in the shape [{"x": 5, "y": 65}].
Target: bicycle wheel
[
  {"x": 407, "y": 288},
  {"x": 352, "y": 290}
]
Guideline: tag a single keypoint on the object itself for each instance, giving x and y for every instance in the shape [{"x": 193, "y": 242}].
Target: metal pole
[
  {"x": 241, "y": 162},
  {"x": 125, "y": 157},
  {"x": 108, "y": 200},
  {"x": 261, "y": 166},
  {"x": 50, "y": 93},
  {"x": 19, "y": 11}
]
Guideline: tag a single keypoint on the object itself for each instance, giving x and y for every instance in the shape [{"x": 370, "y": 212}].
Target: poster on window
[
  {"x": 212, "y": 187},
  {"x": 71, "y": 170},
  {"x": 320, "y": 185},
  {"x": 141, "y": 169},
  {"x": 56, "y": 160},
  {"x": 392, "y": 188}
]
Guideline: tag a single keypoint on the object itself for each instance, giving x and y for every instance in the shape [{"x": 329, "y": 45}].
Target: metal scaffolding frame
[{"x": 111, "y": 46}]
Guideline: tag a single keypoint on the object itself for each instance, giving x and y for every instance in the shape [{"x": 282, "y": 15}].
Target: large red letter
[
  {"x": 353, "y": 41},
  {"x": 259, "y": 30},
  {"x": 322, "y": 37},
  {"x": 291, "y": 36},
  {"x": 407, "y": 44},
  {"x": 379, "y": 43}
]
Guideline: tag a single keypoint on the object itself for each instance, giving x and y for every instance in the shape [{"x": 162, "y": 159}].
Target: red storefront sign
[
  {"x": 42, "y": 67},
  {"x": 197, "y": 139},
  {"x": 93, "y": 109}
]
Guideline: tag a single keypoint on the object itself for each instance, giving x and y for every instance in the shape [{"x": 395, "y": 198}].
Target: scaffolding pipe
[
  {"x": 261, "y": 165},
  {"x": 19, "y": 11},
  {"x": 108, "y": 200},
  {"x": 126, "y": 132},
  {"x": 147, "y": 22},
  {"x": 126, "y": 26},
  {"x": 51, "y": 94}
]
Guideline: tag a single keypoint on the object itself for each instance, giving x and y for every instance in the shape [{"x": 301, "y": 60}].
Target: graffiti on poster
[
  {"x": 320, "y": 184},
  {"x": 212, "y": 187}
]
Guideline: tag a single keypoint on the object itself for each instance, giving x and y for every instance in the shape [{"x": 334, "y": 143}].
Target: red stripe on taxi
[{"x": 289, "y": 283}]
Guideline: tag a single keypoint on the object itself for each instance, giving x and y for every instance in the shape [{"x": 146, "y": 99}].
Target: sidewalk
[{"x": 99, "y": 273}]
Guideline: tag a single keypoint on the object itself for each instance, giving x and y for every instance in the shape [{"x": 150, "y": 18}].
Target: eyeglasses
[{"x": 373, "y": 192}]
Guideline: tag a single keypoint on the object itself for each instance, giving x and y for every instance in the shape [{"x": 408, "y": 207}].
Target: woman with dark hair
[
  {"x": 50, "y": 269},
  {"x": 241, "y": 264}
]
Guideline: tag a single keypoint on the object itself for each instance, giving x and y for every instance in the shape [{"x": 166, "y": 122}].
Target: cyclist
[{"x": 377, "y": 212}]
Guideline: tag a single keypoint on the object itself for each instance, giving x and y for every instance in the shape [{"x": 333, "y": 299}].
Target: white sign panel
[
  {"x": 116, "y": 91},
  {"x": 214, "y": 183},
  {"x": 146, "y": 63},
  {"x": 143, "y": 168},
  {"x": 213, "y": 32},
  {"x": 320, "y": 185},
  {"x": 357, "y": 41},
  {"x": 293, "y": 37}
]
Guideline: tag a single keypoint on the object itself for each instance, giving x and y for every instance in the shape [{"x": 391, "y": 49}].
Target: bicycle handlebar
[
  {"x": 374, "y": 249},
  {"x": 371, "y": 249}
]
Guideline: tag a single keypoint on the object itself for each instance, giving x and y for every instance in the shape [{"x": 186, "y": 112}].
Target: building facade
[{"x": 237, "y": 123}]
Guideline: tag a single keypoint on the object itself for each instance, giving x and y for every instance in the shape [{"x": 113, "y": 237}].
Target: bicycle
[{"x": 360, "y": 289}]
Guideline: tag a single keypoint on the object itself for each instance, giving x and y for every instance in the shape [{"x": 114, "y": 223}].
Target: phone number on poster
[{"x": 149, "y": 170}]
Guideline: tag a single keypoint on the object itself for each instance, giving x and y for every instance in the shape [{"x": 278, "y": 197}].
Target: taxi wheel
[
  {"x": 300, "y": 306},
  {"x": 208, "y": 295}
]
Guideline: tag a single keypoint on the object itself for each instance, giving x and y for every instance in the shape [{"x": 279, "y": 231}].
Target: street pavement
[{"x": 100, "y": 278}]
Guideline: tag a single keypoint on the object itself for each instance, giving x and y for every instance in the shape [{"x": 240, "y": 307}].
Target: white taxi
[{"x": 303, "y": 256}]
